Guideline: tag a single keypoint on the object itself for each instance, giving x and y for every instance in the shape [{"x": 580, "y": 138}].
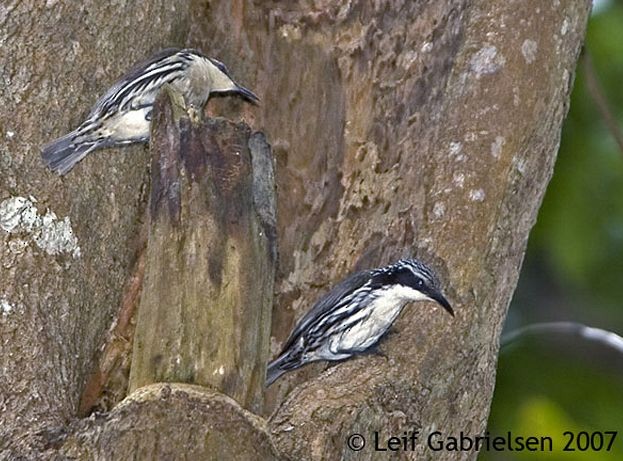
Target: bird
[
  {"x": 123, "y": 114},
  {"x": 354, "y": 316}
]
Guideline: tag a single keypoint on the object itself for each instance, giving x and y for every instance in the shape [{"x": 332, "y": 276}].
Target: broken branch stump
[{"x": 205, "y": 311}]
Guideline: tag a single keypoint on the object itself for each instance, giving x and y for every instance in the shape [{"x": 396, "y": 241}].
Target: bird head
[
  {"x": 417, "y": 282},
  {"x": 222, "y": 82}
]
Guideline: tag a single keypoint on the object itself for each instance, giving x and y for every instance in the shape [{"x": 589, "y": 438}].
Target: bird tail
[
  {"x": 278, "y": 367},
  {"x": 63, "y": 153}
]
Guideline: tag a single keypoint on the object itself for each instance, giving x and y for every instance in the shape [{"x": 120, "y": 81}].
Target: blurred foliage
[
  {"x": 551, "y": 385},
  {"x": 580, "y": 226},
  {"x": 573, "y": 271}
]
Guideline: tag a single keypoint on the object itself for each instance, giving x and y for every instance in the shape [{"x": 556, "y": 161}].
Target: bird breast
[
  {"x": 370, "y": 323},
  {"x": 130, "y": 125}
]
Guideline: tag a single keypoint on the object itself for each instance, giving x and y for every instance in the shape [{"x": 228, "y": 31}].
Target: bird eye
[{"x": 419, "y": 282}]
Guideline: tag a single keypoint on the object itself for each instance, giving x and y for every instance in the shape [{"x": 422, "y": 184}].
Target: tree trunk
[
  {"x": 424, "y": 128},
  {"x": 71, "y": 243}
]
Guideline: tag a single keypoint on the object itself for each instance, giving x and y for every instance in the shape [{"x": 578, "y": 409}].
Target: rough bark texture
[
  {"x": 65, "y": 258},
  {"x": 425, "y": 128},
  {"x": 204, "y": 314},
  {"x": 203, "y": 425}
]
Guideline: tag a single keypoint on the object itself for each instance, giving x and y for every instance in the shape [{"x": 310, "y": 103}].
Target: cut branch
[
  {"x": 169, "y": 421},
  {"x": 204, "y": 315}
]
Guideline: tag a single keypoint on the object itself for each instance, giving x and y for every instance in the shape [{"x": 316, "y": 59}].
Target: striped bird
[
  {"x": 123, "y": 115},
  {"x": 353, "y": 317}
]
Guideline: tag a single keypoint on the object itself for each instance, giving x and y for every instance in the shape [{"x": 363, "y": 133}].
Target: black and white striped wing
[
  {"x": 330, "y": 308},
  {"x": 139, "y": 87}
]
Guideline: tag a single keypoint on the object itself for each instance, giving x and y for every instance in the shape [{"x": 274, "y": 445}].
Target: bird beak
[
  {"x": 439, "y": 298},
  {"x": 247, "y": 94}
]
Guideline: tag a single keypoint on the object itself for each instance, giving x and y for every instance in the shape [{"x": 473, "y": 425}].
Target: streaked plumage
[
  {"x": 123, "y": 114},
  {"x": 353, "y": 317}
]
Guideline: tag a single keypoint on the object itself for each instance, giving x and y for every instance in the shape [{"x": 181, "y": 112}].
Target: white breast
[
  {"x": 131, "y": 125},
  {"x": 371, "y": 322}
]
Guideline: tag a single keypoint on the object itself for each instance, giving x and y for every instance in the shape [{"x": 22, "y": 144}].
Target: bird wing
[
  {"x": 327, "y": 304},
  {"x": 161, "y": 68}
]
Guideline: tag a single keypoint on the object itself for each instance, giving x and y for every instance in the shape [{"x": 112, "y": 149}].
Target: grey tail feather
[
  {"x": 278, "y": 367},
  {"x": 62, "y": 154}
]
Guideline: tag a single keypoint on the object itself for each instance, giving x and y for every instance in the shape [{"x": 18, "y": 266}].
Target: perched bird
[
  {"x": 355, "y": 314},
  {"x": 123, "y": 114}
]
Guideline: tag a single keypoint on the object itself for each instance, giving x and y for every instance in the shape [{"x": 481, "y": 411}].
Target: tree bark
[
  {"x": 424, "y": 128},
  {"x": 68, "y": 244},
  {"x": 168, "y": 421}
]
